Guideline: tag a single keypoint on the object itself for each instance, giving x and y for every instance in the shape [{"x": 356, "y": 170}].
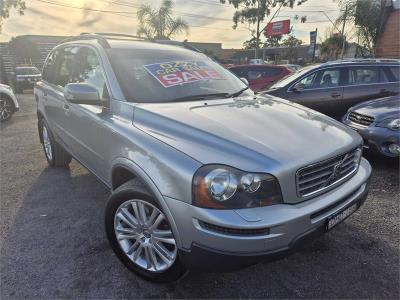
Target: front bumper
[
  {"x": 278, "y": 230},
  {"x": 377, "y": 138}
]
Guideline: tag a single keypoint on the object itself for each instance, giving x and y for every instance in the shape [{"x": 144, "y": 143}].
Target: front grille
[
  {"x": 320, "y": 176},
  {"x": 360, "y": 119},
  {"x": 234, "y": 231}
]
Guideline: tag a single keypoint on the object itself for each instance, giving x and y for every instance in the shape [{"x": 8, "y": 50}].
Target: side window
[
  {"x": 383, "y": 77},
  {"x": 64, "y": 66},
  {"x": 89, "y": 70},
  {"x": 308, "y": 81},
  {"x": 240, "y": 72},
  {"x": 395, "y": 70},
  {"x": 363, "y": 75},
  {"x": 268, "y": 72},
  {"x": 327, "y": 78},
  {"x": 254, "y": 74},
  {"x": 49, "y": 68}
]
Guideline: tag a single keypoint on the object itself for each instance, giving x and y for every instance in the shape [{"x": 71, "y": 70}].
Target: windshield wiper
[
  {"x": 237, "y": 93},
  {"x": 202, "y": 97}
]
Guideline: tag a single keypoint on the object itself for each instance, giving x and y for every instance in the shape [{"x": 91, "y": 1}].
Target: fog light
[{"x": 394, "y": 149}]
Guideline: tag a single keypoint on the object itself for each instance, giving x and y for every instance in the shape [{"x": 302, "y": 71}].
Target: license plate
[{"x": 340, "y": 216}]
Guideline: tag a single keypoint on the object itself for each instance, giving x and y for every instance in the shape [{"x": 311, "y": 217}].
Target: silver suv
[{"x": 204, "y": 174}]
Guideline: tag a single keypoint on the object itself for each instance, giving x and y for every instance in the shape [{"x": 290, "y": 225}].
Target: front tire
[
  {"x": 6, "y": 108},
  {"x": 56, "y": 156},
  {"x": 140, "y": 234}
]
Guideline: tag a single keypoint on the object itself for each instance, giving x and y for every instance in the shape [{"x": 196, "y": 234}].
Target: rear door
[
  {"x": 322, "y": 91},
  {"x": 363, "y": 83},
  {"x": 391, "y": 77}
]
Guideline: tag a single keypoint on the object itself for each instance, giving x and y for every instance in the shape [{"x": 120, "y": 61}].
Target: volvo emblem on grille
[{"x": 336, "y": 171}]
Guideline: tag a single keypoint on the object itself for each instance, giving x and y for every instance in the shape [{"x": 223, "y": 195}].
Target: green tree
[
  {"x": 160, "y": 23},
  {"x": 292, "y": 44},
  {"x": 7, "y": 5},
  {"x": 250, "y": 44},
  {"x": 273, "y": 41},
  {"x": 331, "y": 47},
  {"x": 255, "y": 12},
  {"x": 368, "y": 16}
]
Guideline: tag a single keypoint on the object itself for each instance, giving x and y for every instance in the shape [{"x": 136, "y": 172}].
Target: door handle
[{"x": 335, "y": 95}]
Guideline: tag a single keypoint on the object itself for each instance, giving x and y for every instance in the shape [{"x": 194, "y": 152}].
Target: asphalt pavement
[{"x": 53, "y": 243}]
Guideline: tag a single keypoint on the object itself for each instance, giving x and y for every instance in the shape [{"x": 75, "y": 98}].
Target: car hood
[
  {"x": 254, "y": 134},
  {"x": 380, "y": 109}
]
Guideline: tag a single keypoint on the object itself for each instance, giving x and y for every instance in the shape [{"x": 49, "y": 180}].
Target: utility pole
[
  {"x": 258, "y": 31},
  {"x": 343, "y": 37}
]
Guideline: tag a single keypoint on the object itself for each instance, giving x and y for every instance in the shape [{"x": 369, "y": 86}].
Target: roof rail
[
  {"x": 88, "y": 36},
  {"x": 102, "y": 37},
  {"x": 185, "y": 45},
  {"x": 377, "y": 60},
  {"x": 120, "y": 35}
]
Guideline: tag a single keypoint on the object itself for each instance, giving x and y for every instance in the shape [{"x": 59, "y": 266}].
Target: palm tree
[{"x": 160, "y": 23}]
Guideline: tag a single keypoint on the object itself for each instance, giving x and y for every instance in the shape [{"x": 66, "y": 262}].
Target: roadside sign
[{"x": 277, "y": 28}]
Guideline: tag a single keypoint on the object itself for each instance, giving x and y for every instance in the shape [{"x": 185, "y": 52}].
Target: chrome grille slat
[
  {"x": 361, "y": 119},
  {"x": 320, "y": 176}
]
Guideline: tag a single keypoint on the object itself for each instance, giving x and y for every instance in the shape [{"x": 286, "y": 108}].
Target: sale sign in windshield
[{"x": 181, "y": 72}]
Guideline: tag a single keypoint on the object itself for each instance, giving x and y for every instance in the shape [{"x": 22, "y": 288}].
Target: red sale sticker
[{"x": 181, "y": 72}]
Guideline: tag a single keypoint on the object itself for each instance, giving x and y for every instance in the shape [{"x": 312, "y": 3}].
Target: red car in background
[{"x": 260, "y": 76}]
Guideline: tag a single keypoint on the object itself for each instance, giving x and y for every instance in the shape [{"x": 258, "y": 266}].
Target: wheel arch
[
  {"x": 124, "y": 170},
  {"x": 5, "y": 95}
]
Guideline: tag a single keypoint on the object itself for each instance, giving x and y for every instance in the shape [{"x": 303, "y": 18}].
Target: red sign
[{"x": 277, "y": 28}]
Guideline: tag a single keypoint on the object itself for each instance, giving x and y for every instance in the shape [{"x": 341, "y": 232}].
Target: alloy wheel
[
  {"x": 144, "y": 235},
  {"x": 5, "y": 109},
  {"x": 47, "y": 143}
]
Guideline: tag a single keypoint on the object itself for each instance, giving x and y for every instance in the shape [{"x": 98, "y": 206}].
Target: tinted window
[
  {"x": 327, "y": 78},
  {"x": 240, "y": 72},
  {"x": 396, "y": 72},
  {"x": 65, "y": 64},
  {"x": 88, "y": 69},
  {"x": 363, "y": 75},
  {"x": 49, "y": 68},
  {"x": 308, "y": 81},
  {"x": 263, "y": 72},
  {"x": 322, "y": 79}
]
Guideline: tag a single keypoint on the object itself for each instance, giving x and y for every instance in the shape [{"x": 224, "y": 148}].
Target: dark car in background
[
  {"x": 25, "y": 78},
  {"x": 260, "y": 76},
  {"x": 378, "y": 122},
  {"x": 332, "y": 88}
]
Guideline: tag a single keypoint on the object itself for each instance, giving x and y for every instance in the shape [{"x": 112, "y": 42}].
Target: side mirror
[
  {"x": 245, "y": 81},
  {"x": 82, "y": 93},
  {"x": 298, "y": 87}
]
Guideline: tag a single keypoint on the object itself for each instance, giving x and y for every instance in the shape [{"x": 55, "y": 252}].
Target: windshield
[
  {"x": 167, "y": 75},
  {"x": 27, "y": 71},
  {"x": 291, "y": 77}
]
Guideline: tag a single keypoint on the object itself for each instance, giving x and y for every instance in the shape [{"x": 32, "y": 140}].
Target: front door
[
  {"x": 322, "y": 91},
  {"x": 87, "y": 123}
]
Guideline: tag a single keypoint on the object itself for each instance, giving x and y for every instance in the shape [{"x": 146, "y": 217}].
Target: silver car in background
[
  {"x": 204, "y": 174},
  {"x": 8, "y": 103}
]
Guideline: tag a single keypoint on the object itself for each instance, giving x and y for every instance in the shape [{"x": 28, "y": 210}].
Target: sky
[{"x": 209, "y": 20}]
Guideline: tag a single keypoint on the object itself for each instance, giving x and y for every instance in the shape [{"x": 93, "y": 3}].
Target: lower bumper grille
[
  {"x": 318, "y": 177},
  {"x": 234, "y": 231}
]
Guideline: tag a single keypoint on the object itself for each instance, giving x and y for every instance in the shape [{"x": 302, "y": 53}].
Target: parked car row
[{"x": 25, "y": 77}]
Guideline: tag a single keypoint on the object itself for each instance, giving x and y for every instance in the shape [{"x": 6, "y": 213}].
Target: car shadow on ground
[{"x": 57, "y": 248}]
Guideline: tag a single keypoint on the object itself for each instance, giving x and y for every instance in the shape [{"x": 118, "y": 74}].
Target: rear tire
[
  {"x": 149, "y": 251},
  {"x": 56, "y": 156}
]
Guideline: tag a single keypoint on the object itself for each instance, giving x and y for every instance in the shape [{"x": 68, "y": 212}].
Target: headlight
[
  {"x": 393, "y": 124},
  {"x": 223, "y": 187}
]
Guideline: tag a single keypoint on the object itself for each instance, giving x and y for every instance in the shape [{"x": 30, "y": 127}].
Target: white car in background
[{"x": 8, "y": 103}]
